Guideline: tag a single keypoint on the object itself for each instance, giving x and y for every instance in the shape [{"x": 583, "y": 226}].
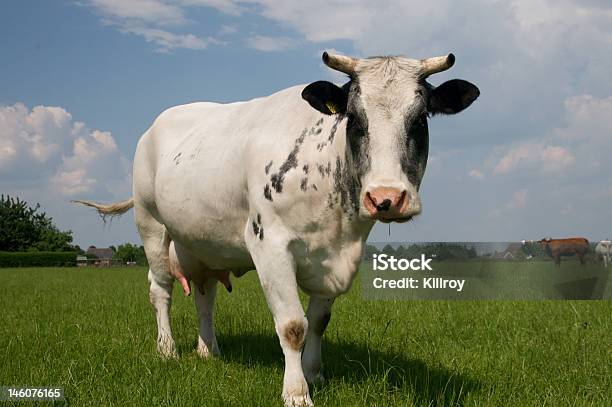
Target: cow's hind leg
[
  {"x": 190, "y": 267},
  {"x": 156, "y": 242},
  {"x": 205, "y": 304},
  {"x": 318, "y": 314}
]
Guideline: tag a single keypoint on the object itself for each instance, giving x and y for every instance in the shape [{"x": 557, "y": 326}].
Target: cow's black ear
[
  {"x": 452, "y": 97},
  {"x": 325, "y": 97}
]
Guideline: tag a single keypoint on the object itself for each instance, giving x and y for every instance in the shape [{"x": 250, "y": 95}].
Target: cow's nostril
[
  {"x": 384, "y": 205},
  {"x": 371, "y": 199},
  {"x": 400, "y": 201}
]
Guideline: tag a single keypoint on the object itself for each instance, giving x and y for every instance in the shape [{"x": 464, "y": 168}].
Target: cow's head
[
  {"x": 544, "y": 242},
  {"x": 386, "y": 104}
]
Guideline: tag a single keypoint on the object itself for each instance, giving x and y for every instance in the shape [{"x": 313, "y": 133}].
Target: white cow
[
  {"x": 289, "y": 188},
  {"x": 604, "y": 250}
]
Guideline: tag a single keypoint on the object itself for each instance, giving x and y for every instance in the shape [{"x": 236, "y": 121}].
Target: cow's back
[{"x": 191, "y": 167}]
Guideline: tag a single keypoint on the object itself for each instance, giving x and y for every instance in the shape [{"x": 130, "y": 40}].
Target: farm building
[
  {"x": 514, "y": 251},
  {"x": 99, "y": 257}
]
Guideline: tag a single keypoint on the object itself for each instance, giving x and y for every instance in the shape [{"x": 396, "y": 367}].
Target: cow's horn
[
  {"x": 340, "y": 63},
  {"x": 437, "y": 64}
]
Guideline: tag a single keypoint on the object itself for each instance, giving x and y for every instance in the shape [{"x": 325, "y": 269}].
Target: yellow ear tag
[{"x": 331, "y": 107}]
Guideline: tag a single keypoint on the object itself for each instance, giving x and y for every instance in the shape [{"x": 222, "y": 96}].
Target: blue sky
[{"x": 81, "y": 80}]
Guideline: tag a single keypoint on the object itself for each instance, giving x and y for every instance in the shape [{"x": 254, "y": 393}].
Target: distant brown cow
[{"x": 556, "y": 248}]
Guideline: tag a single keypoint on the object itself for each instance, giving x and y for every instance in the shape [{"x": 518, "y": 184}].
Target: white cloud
[
  {"x": 584, "y": 136},
  {"x": 75, "y": 182},
  {"x": 150, "y": 11},
  {"x": 227, "y": 29},
  {"x": 146, "y": 17},
  {"x": 270, "y": 44},
  {"x": 44, "y": 147},
  {"x": 587, "y": 117},
  {"x": 49, "y": 158},
  {"x": 546, "y": 157},
  {"x": 475, "y": 173},
  {"x": 34, "y": 136},
  {"x": 166, "y": 41},
  {"x": 230, "y": 7}
]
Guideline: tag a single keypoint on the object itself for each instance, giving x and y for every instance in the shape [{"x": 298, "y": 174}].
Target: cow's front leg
[
  {"x": 276, "y": 270},
  {"x": 318, "y": 314}
]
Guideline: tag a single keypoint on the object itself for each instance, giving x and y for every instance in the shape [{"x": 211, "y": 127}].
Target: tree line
[{"x": 25, "y": 228}]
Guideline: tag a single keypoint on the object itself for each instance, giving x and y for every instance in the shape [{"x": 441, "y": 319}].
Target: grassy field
[{"x": 92, "y": 331}]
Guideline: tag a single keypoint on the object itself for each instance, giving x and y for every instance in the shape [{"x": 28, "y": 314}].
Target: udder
[{"x": 186, "y": 268}]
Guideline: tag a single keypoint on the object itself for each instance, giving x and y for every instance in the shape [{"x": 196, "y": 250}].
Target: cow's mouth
[{"x": 397, "y": 220}]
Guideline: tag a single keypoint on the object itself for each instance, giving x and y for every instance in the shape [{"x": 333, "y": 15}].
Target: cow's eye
[{"x": 350, "y": 119}]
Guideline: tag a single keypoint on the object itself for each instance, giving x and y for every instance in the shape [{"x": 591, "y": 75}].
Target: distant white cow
[
  {"x": 290, "y": 184},
  {"x": 526, "y": 246},
  {"x": 604, "y": 250}
]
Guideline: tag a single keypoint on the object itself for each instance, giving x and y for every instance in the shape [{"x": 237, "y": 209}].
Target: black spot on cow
[
  {"x": 258, "y": 228},
  {"x": 267, "y": 168},
  {"x": 330, "y": 201},
  {"x": 321, "y": 169},
  {"x": 346, "y": 187},
  {"x": 278, "y": 178},
  {"x": 332, "y": 133},
  {"x": 305, "y": 169},
  {"x": 314, "y": 186},
  {"x": 268, "y": 192},
  {"x": 177, "y": 159},
  {"x": 338, "y": 187},
  {"x": 304, "y": 184}
]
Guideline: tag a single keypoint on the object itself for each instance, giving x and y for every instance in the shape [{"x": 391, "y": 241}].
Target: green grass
[{"x": 93, "y": 331}]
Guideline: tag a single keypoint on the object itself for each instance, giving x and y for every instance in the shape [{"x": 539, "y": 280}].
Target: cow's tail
[{"x": 114, "y": 209}]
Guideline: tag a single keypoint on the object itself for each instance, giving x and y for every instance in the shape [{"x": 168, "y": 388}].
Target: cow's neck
[{"x": 344, "y": 185}]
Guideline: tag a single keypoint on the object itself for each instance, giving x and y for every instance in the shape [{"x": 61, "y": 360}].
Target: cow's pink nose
[{"x": 386, "y": 203}]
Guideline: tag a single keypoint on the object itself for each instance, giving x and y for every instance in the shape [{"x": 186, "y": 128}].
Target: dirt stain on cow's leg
[{"x": 294, "y": 333}]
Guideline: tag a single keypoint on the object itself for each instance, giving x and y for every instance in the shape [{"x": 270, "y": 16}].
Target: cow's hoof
[
  {"x": 205, "y": 352},
  {"x": 168, "y": 353},
  {"x": 167, "y": 349},
  {"x": 298, "y": 401}
]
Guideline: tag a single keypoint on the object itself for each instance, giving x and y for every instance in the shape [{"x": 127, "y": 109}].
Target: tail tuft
[{"x": 114, "y": 209}]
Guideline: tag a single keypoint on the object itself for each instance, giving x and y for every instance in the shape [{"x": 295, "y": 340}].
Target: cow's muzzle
[{"x": 390, "y": 204}]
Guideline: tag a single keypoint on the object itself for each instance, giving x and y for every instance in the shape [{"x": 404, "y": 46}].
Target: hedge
[{"x": 37, "y": 259}]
